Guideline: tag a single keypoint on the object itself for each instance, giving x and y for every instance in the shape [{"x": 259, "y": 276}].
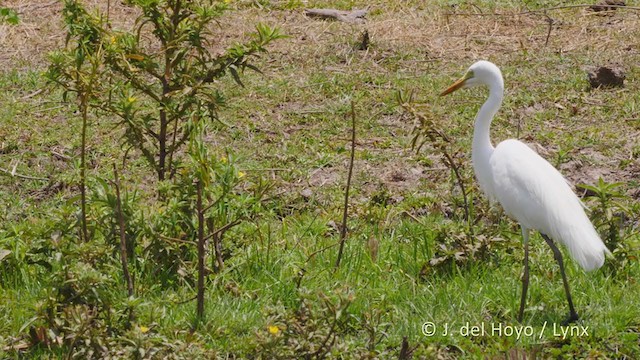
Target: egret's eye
[{"x": 469, "y": 75}]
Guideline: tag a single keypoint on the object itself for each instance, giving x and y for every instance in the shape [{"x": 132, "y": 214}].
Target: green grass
[{"x": 290, "y": 125}]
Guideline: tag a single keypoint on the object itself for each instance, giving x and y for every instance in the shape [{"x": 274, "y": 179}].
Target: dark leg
[
  {"x": 525, "y": 280},
  {"x": 573, "y": 316}
]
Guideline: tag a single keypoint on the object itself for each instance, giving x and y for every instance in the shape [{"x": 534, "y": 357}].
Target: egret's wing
[
  {"x": 534, "y": 193},
  {"x": 526, "y": 185}
]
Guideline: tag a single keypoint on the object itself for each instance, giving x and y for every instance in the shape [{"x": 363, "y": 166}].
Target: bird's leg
[
  {"x": 525, "y": 275},
  {"x": 573, "y": 316}
]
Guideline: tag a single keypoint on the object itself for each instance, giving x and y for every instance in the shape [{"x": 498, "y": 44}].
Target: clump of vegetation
[
  {"x": 426, "y": 131},
  {"x": 610, "y": 214},
  {"x": 159, "y": 85},
  {"x": 9, "y": 15},
  {"x": 160, "y": 81},
  {"x": 463, "y": 246},
  {"x": 610, "y": 211},
  {"x": 312, "y": 331},
  {"x": 79, "y": 70}
]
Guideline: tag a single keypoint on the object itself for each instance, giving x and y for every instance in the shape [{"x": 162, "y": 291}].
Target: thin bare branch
[
  {"x": 201, "y": 250},
  {"x": 343, "y": 230},
  {"x": 14, "y": 174},
  {"x": 223, "y": 229}
]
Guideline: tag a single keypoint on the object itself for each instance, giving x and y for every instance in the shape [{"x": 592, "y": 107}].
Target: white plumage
[
  {"x": 529, "y": 189},
  {"x": 535, "y": 194}
]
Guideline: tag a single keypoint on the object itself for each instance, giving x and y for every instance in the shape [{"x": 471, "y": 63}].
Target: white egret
[{"x": 530, "y": 190}]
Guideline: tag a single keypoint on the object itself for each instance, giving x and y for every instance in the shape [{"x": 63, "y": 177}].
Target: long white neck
[{"x": 482, "y": 147}]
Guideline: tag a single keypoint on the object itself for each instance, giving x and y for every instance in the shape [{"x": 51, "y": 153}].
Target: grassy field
[{"x": 410, "y": 258}]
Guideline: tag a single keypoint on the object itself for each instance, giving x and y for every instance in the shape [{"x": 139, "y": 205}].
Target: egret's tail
[{"x": 584, "y": 244}]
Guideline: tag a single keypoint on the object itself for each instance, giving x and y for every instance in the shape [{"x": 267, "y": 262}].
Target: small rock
[
  {"x": 574, "y": 109},
  {"x": 56, "y": 236},
  {"x": 602, "y": 5},
  {"x": 396, "y": 199},
  {"x": 333, "y": 226},
  {"x": 397, "y": 176},
  {"x": 607, "y": 76},
  {"x": 416, "y": 171},
  {"x": 306, "y": 193},
  {"x": 421, "y": 211}
]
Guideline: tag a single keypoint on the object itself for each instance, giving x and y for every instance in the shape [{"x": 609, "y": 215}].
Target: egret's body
[{"x": 529, "y": 189}]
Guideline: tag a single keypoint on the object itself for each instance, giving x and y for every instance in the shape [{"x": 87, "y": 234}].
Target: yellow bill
[{"x": 458, "y": 84}]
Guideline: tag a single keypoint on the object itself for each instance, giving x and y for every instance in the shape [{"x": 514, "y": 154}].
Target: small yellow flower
[
  {"x": 241, "y": 174},
  {"x": 273, "y": 329},
  {"x": 131, "y": 99},
  {"x": 144, "y": 329},
  {"x": 223, "y": 160},
  {"x": 113, "y": 39}
]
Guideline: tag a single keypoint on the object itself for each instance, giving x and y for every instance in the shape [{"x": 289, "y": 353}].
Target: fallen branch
[
  {"x": 544, "y": 10},
  {"x": 405, "y": 212},
  {"x": 14, "y": 174},
  {"x": 353, "y": 16},
  {"x": 28, "y": 96},
  {"x": 61, "y": 156}
]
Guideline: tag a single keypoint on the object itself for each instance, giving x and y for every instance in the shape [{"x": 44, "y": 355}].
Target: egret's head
[{"x": 480, "y": 73}]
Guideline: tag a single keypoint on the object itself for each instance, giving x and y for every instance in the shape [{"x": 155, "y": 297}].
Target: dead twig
[
  {"x": 186, "y": 301},
  {"x": 201, "y": 251},
  {"x": 29, "y": 96},
  {"x": 167, "y": 238},
  {"x": 320, "y": 250},
  {"x": 27, "y": 177},
  {"x": 550, "y": 22},
  {"x": 405, "y": 212},
  {"x": 223, "y": 229},
  {"x": 353, "y": 16},
  {"x": 343, "y": 230},
  {"x": 61, "y": 156}
]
